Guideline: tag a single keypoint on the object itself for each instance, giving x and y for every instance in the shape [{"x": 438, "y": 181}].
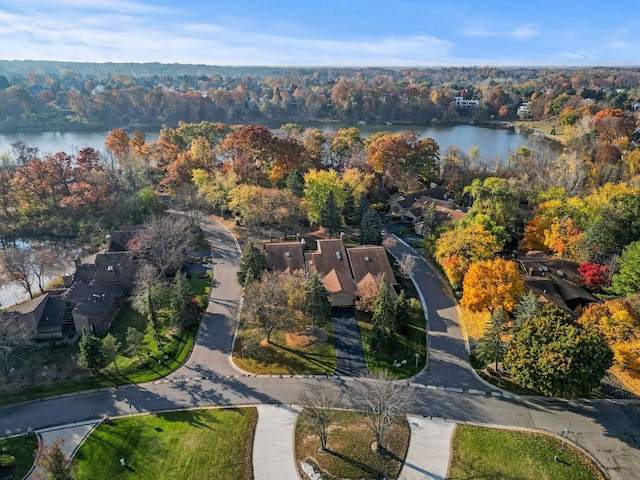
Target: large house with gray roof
[{"x": 92, "y": 296}]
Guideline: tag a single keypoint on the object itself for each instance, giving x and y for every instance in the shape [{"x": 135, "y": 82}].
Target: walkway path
[
  {"x": 429, "y": 450},
  {"x": 273, "y": 445},
  {"x": 71, "y": 435},
  {"x": 273, "y": 453},
  {"x": 607, "y": 429}
]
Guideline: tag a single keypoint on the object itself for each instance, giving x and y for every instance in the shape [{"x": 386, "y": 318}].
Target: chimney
[
  {"x": 108, "y": 239},
  {"x": 77, "y": 260},
  {"x": 67, "y": 280}
]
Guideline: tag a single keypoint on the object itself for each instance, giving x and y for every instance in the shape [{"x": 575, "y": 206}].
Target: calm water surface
[{"x": 492, "y": 142}]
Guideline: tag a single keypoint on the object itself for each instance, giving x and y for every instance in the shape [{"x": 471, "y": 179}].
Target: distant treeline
[{"x": 70, "y": 95}]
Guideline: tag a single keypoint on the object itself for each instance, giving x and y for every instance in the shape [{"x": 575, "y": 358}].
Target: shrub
[{"x": 6, "y": 460}]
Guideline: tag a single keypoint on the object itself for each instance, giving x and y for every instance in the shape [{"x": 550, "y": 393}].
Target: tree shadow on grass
[
  {"x": 315, "y": 359},
  {"x": 356, "y": 463}
]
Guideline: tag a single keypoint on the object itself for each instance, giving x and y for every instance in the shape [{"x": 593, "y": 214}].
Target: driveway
[
  {"x": 448, "y": 357},
  {"x": 607, "y": 429},
  {"x": 350, "y": 360},
  {"x": 214, "y": 343}
]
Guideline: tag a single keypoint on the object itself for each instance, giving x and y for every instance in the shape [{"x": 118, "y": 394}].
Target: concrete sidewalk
[
  {"x": 73, "y": 435},
  {"x": 273, "y": 445},
  {"x": 429, "y": 449},
  {"x": 273, "y": 453}
]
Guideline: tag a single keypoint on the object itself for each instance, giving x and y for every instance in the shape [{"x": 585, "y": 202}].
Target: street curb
[{"x": 460, "y": 323}]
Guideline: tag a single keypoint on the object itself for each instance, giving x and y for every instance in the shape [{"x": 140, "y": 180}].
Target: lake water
[{"x": 492, "y": 142}]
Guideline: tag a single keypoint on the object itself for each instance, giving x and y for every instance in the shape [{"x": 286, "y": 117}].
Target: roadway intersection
[{"x": 608, "y": 429}]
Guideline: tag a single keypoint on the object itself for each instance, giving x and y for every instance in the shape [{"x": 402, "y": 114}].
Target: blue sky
[{"x": 324, "y": 32}]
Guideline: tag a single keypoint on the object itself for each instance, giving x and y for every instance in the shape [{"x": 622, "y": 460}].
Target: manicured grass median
[
  {"x": 404, "y": 347},
  {"x": 23, "y": 448},
  {"x": 282, "y": 358},
  {"x": 198, "y": 444},
  {"x": 349, "y": 452},
  {"x": 481, "y": 452}
]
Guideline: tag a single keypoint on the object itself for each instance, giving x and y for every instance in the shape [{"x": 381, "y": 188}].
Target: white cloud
[
  {"x": 522, "y": 32},
  {"x": 121, "y": 35}
]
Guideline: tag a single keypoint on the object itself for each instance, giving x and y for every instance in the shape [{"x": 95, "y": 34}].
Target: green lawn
[
  {"x": 177, "y": 347},
  {"x": 404, "y": 347},
  {"x": 130, "y": 370},
  {"x": 481, "y": 452},
  {"x": 281, "y": 358},
  {"x": 23, "y": 448},
  {"x": 198, "y": 444},
  {"x": 349, "y": 452}
]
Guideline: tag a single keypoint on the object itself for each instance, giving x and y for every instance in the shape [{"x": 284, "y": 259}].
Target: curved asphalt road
[
  {"x": 609, "y": 430},
  {"x": 448, "y": 357}
]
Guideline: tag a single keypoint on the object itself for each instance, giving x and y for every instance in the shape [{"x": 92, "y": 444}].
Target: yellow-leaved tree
[
  {"x": 460, "y": 247},
  {"x": 619, "y": 323},
  {"x": 491, "y": 285}
]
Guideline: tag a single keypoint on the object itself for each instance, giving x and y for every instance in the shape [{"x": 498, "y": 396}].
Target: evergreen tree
[
  {"x": 295, "y": 183},
  {"x": 371, "y": 228},
  {"x": 383, "y": 317},
  {"x": 491, "y": 347},
  {"x": 135, "y": 342},
  {"x": 429, "y": 220},
  {"x": 362, "y": 207},
  {"x": 91, "y": 355},
  {"x": 349, "y": 208},
  {"x": 110, "y": 349},
  {"x": 627, "y": 280},
  {"x": 253, "y": 264},
  {"x": 528, "y": 308},
  {"x": 180, "y": 306},
  {"x": 402, "y": 315},
  {"x": 317, "y": 304},
  {"x": 331, "y": 217}
]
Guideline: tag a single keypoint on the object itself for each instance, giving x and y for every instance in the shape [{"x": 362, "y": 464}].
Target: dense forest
[{"x": 66, "y": 95}]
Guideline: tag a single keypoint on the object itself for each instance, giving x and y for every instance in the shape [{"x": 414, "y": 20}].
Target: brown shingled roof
[
  {"x": 331, "y": 255},
  {"x": 336, "y": 282},
  {"x": 370, "y": 259},
  {"x": 285, "y": 257}
]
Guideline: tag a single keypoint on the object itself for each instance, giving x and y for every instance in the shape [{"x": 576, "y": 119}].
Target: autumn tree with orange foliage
[
  {"x": 249, "y": 150},
  {"x": 491, "y": 285},
  {"x": 620, "y": 325},
  {"x": 563, "y": 238},
  {"x": 118, "y": 144},
  {"x": 458, "y": 248},
  {"x": 612, "y": 123},
  {"x": 533, "y": 238}
]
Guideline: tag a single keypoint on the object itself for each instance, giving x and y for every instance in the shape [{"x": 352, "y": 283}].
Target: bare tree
[
  {"x": 319, "y": 402},
  {"x": 15, "y": 342},
  {"x": 164, "y": 243},
  {"x": 382, "y": 402},
  {"x": 16, "y": 262},
  {"x": 265, "y": 303},
  {"x": 191, "y": 204},
  {"x": 406, "y": 264},
  {"x": 45, "y": 259}
]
